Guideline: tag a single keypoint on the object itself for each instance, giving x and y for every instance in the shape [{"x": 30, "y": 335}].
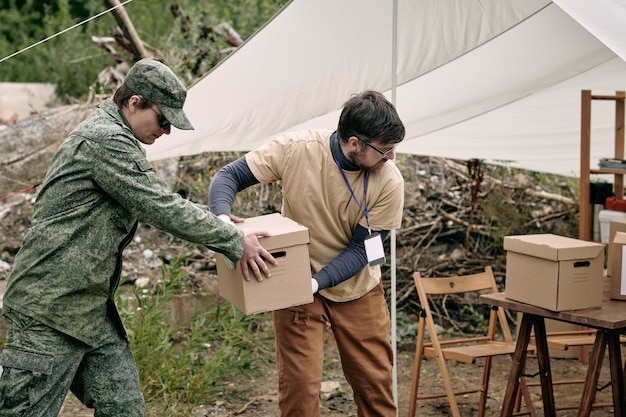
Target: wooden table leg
[
  {"x": 593, "y": 373},
  {"x": 617, "y": 373},
  {"x": 543, "y": 360},
  {"x": 517, "y": 366}
]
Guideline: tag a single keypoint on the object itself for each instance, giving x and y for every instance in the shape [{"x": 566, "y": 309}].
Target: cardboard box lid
[
  {"x": 620, "y": 238},
  {"x": 553, "y": 247},
  {"x": 617, "y": 220},
  {"x": 285, "y": 232}
]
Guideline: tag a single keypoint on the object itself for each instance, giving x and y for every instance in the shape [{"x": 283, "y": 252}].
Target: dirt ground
[{"x": 262, "y": 400}]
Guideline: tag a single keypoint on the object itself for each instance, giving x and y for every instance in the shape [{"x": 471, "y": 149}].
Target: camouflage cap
[{"x": 156, "y": 82}]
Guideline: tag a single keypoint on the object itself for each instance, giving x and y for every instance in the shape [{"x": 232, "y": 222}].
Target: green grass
[{"x": 181, "y": 368}]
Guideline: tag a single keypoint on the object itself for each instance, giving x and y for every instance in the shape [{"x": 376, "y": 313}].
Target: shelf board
[{"x": 609, "y": 171}]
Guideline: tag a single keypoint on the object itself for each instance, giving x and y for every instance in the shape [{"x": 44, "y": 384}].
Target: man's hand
[
  {"x": 230, "y": 218},
  {"x": 254, "y": 256}
]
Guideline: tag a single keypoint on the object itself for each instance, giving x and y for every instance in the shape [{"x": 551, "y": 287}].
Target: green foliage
[
  {"x": 549, "y": 182},
  {"x": 72, "y": 61},
  {"x": 192, "y": 49},
  {"x": 508, "y": 209},
  {"x": 181, "y": 368},
  {"x": 505, "y": 217},
  {"x": 61, "y": 60},
  {"x": 474, "y": 318}
]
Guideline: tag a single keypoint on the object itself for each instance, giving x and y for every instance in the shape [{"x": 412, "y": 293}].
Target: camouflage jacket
[{"x": 98, "y": 186}]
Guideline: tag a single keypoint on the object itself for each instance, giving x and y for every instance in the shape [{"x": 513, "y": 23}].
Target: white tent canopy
[{"x": 495, "y": 80}]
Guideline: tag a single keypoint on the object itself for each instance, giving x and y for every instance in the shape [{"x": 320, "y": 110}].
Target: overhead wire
[{"x": 63, "y": 31}]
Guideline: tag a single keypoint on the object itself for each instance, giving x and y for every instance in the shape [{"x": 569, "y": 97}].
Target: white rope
[{"x": 63, "y": 31}]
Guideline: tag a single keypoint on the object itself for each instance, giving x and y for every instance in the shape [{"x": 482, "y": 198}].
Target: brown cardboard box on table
[
  {"x": 290, "y": 283},
  {"x": 618, "y": 267},
  {"x": 615, "y": 225},
  {"x": 554, "y": 272}
]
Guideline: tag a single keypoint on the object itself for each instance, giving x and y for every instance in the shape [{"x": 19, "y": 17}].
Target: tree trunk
[{"x": 136, "y": 45}]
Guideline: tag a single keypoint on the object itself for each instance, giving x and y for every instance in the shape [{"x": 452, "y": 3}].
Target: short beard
[{"x": 354, "y": 158}]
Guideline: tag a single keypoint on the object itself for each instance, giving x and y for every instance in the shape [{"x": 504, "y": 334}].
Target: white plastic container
[{"x": 605, "y": 217}]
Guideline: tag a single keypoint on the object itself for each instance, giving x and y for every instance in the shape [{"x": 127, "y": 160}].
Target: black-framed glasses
[
  {"x": 163, "y": 122},
  {"x": 383, "y": 154}
]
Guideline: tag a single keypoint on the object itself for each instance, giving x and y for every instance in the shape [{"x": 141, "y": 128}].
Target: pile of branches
[{"x": 457, "y": 213}]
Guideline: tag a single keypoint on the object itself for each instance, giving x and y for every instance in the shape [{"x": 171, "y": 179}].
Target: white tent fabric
[
  {"x": 494, "y": 80},
  {"x": 606, "y": 22}
]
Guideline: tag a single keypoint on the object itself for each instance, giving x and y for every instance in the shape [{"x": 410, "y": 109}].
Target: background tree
[{"x": 72, "y": 60}]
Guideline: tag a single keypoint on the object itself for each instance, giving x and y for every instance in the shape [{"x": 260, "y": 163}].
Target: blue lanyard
[{"x": 345, "y": 179}]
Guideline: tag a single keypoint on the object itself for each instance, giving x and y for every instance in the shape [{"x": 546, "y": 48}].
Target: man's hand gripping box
[{"x": 290, "y": 283}]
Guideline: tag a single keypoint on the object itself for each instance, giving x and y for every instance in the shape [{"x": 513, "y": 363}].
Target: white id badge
[{"x": 374, "y": 249}]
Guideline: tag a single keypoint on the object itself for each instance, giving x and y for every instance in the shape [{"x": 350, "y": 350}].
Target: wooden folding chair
[{"x": 467, "y": 349}]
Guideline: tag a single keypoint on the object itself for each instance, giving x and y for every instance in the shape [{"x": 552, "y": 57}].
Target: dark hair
[
  {"x": 123, "y": 93},
  {"x": 370, "y": 116}
]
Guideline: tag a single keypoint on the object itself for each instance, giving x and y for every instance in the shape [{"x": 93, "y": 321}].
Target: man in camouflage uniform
[{"x": 64, "y": 329}]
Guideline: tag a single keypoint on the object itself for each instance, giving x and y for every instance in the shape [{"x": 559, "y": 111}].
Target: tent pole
[{"x": 394, "y": 343}]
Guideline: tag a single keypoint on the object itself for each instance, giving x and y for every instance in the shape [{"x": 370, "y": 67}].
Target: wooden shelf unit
[{"x": 585, "y": 212}]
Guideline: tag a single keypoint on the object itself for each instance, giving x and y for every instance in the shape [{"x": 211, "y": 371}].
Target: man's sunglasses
[{"x": 163, "y": 122}]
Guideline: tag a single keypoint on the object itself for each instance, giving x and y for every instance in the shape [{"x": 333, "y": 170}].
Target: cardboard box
[
  {"x": 290, "y": 283},
  {"x": 554, "y": 272},
  {"x": 618, "y": 267},
  {"x": 615, "y": 225}
]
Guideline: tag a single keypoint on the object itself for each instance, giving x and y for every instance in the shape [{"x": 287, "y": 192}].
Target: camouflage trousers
[{"x": 40, "y": 365}]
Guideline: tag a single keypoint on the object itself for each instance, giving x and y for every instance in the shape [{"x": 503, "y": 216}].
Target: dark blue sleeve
[
  {"x": 348, "y": 262},
  {"x": 227, "y": 182}
]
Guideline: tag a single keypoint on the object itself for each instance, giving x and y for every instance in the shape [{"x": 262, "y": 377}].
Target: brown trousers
[{"x": 361, "y": 329}]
